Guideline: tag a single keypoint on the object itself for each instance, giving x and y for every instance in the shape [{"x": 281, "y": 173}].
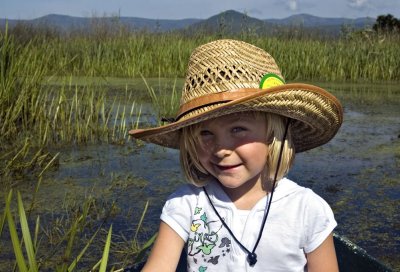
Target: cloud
[
  {"x": 255, "y": 12},
  {"x": 292, "y": 4},
  {"x": 358, "y": 4}
]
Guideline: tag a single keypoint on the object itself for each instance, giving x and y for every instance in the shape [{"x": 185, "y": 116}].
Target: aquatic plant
[
  {"x": 67, "y": 248},
  {"x": 363, "y": 56},
  {"x": 165, "y": 101}
]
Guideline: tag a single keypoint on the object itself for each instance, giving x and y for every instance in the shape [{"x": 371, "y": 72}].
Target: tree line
[{"x": 387, "y": 24}]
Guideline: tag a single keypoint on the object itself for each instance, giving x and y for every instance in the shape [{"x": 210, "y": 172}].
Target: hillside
[
  {"x": 65, "y": 23},
  {"x": 227, "y": 22},
  {"x": 307, "y": 20}
]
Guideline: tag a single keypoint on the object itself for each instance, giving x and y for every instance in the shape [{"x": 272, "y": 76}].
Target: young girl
[{"x": 238, "y": 129}]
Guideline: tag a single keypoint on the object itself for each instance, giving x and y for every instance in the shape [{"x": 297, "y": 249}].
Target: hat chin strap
[{"x": 251, "y": 255}]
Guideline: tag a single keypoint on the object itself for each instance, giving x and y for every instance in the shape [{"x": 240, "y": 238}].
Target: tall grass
[
  {"x": 337, "y": 61},
  {"x": 151, "y": 55},
  {"x": 35, "y": 115},
  {"x": 21, "y": 72},
  {"x": 363, "y": 56},
  {"x": 165, "y": 102},
  {"x": 70, "y": 115},
  {"x": 67, "y": 251},
  {"x": 32, "y": 111}
]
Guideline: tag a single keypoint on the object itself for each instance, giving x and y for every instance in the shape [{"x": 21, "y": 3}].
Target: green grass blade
[
  {"x": 141, "y": 220},
  {"x": 143, "y": 250},
  {"x": 106, "y": 252},
  {"x": 70, "y": 244},
  {"x": 48, "y": 165},
  {"x": 77, "y": 259},
  {"x": 14, "y": 238},
  {"x": 4, "y": 217},
  {"x": 27, "y": 236},
  {"x": 35, "y": 239}
]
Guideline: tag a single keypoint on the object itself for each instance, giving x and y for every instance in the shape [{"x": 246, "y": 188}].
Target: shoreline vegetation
[
  {"x": 363, "y": 55},
  {"x": 37, "y": 117}
]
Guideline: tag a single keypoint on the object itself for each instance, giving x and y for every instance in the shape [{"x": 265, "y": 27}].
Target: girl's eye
[
  {"x": 238, "y": 129},
  {"x": 205, "y": 133},
  {"x": 206, "y": 137}
]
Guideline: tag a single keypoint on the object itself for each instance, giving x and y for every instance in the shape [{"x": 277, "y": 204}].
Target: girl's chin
[{"x": 231, "y": 184}]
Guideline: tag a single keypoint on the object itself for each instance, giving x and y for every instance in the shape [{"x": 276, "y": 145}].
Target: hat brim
[{"x": 317, "y": 115}]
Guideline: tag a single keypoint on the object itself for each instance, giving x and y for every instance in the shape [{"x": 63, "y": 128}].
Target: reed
[
  {"x": 72, "y": 115},
  {"x": 164, "y": 100},
  {"x": 21, "y": 73},
  {"x": 67, "y": 248},
  {"x": 35, "y": 114},
  {"x": 54, "y": 116},
  {"x": 363, "y": 56},
  {"x": 335, "y": 60}
]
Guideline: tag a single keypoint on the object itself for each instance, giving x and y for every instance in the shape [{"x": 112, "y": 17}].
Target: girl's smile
[
  {"x": 233, "y": 149},
  {"x": 227, "y": 167}
]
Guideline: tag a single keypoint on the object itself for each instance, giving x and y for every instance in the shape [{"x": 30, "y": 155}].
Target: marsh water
[{"x": 357, "y": 173}]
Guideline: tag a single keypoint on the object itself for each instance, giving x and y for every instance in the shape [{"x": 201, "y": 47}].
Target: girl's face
[{"x": 233, "y": 148}]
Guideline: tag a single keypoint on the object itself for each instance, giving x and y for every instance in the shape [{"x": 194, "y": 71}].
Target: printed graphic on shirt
[{"x": 205, "y": 246}]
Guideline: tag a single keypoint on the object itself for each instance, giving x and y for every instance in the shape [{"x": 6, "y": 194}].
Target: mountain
[
  {"x": 230, "y": 21},
  {"x": 233, "y": 22},
  {"x": 64, "y": 22},
  {"x": 306, "y": 20},
  {"x": 226, "y": 22}
]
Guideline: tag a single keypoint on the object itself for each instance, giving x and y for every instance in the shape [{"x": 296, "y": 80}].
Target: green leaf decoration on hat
[{"x": 271, "y": 80}]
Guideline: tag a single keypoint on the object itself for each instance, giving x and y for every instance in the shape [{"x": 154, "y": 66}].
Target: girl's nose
[{"x": 221, "y": 150}]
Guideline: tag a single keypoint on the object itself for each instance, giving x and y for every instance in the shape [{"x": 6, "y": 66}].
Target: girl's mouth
[{"x": 227, "y": 167}]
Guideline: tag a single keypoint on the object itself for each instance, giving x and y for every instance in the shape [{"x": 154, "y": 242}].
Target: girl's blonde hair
[{"x": 199, "y": 176}]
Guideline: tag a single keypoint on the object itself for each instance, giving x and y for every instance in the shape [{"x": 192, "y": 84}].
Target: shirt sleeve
[
  {"x": 319, "y": 221},
  {"x": 177, "y": 211}
]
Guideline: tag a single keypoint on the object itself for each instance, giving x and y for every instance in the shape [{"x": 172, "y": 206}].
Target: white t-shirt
[{"x": 298, "y": 222}]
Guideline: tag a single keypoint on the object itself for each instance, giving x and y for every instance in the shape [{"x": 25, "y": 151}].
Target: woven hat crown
[{"x": 225, "y": 65}]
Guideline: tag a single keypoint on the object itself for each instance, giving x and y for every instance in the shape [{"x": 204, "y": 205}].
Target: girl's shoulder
[
  {"x": 287, "y": 187},
  {"x": 186, "y": 190},
  {"x": 190, "y": 195},
  {"x": 291, "y": 192},
  {"x": 183, "y": 196},
  {"x": 303, "y": 199}
]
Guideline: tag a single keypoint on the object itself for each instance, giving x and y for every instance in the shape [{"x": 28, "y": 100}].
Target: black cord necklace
[{"x": 251, "y": 255}]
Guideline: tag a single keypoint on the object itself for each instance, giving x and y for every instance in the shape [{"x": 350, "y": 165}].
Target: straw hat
[{"x": 228, "y": 76}]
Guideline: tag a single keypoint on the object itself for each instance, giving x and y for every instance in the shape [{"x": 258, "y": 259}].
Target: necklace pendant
[{"x": 252, "y": 259}]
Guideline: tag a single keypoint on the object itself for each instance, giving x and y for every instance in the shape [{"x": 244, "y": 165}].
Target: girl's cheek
[
  {"x": 201, "y": 149},
  {"x": 206, "y": 144}
]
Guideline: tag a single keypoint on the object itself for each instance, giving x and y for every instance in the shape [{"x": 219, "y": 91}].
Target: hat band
[{"x": 213, "y": 99}]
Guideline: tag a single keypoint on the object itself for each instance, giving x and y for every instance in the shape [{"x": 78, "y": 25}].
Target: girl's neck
[{"x": 246, "y": 196}]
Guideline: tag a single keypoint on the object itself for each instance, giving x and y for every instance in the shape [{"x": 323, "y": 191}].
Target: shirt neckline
[{"x": 284, "y": 188}]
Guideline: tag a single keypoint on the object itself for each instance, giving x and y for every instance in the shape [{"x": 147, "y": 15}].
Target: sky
[{"x": 200, "y": 9}]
